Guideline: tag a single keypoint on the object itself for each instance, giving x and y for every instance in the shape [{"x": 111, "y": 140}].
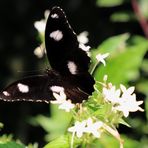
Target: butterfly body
[{"x": 69, "y": 63}]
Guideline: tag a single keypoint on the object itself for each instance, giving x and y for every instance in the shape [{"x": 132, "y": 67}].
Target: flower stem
[
  {"x": 115, "y": 133},
  {"x": 93, "y": 68}
]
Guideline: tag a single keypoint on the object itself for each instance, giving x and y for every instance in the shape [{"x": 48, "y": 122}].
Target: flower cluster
[
  {"x": 98, "y": 119},
  {"x": 123, "y": 99},
  {"x": 87, "y": 126}
]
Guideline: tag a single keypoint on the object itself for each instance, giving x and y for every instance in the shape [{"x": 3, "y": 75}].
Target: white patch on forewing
[
  {"x": 72, "y": 67},
  {"x": 56, "y": 89},
  {"x": 54, "y": 15},
  {"x": 56, "y": 35},
  {"x": 23, "y": 88},
  {"x": 84, "y": 47},
  {"x": 6, "y": 93}
]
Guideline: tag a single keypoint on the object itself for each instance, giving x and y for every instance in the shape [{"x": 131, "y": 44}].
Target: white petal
[
  {"x": 101, "y": 57},
  {"x": 66, "y": 105}
]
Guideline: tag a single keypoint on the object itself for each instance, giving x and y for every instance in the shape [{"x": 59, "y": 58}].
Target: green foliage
[
  {"x": 124, "y": 61},
  {"x": 11, "y": 144},
  {"x": 60, "y": 119},
  {"x": 6, "y": 141},
  {"x": 62, "y": 142},
  {"x": 122, "y": 16},
  {"x": 109, "y": 3}
]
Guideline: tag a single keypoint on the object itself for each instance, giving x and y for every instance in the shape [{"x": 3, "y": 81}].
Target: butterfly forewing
[
  {"x": 64, "y": 53},
  {"x": 62, "y": 45}
]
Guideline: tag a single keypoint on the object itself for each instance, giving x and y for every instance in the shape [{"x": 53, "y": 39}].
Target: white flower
[
  {"x": 129, "y": 105},
  {"x": 82, "y": 37},
  {"x": 87, "y": 126},
  {"x": 39, "y": 51},
  {"x": 126, "y": 92},
  {"x": 61, "y": 100},
  {"x": 101, "y": 57},
  {"x": 127, "y": 102},
  {"x": 111, "y": 94},
  {"x": 40, "y": 25},
  {"x": 93, "y": 128},
  {"x": 78, "y": 128},
  {"x": 123, "y": 99},
  {"x": 66, "y": 105}
]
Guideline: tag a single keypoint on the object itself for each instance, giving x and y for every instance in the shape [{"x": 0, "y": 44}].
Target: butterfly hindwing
[{"x": 40, "y": 88}]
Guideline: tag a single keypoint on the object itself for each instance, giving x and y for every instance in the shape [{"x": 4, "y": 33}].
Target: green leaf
[
  {"x": 51, "y": 124},
  {"x": 11, "y": 144},
  {"x": 144, "y": 66},
  {"x": 131, "y": 143},
  {"x": 109, "y": 3},
  {"x": 63, "y": 142},
  {"x": 146, "y": 108},
  {"x": 122, "y": 17},
  {"x": 121, "y": 121},
  {"x": 113, "y": 45},
  {"x": 124, "y": 66},
  {"x": 142, "y": 86}
]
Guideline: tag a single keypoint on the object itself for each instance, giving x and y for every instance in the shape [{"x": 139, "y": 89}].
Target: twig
[{"x": 142, "y": 20}]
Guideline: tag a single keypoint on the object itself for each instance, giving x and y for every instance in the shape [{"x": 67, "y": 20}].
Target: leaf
[
  {"x": 142, "y": 86},
  {"x": 124, "y": 122},
  {"x": 124, "y": 66},
  {"x": 146, "y": 107},
  {"x": 122, "y": 17},
  {"x": 109, "y": 3},
  {"x": 63, "y": 142},
  {"x": 56, "y": 124},
  {"x": 144, "y": 66},
  {"x": 11, "y": 144},
  {"x": 112, "y": 45}
]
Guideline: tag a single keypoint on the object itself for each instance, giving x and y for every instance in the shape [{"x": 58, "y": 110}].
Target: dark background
[{"x": 18, "y": 39}]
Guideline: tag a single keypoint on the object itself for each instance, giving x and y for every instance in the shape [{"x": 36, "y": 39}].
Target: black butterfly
[{"x": 69, "y": 62}]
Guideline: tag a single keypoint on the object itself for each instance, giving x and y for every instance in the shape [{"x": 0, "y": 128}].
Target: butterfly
[{"x": 69, "y": 64}]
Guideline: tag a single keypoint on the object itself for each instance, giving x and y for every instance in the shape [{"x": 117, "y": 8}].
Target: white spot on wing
[
  {"x": 54, "y": 15},
  {"x": 56, "y": 89},
  {"x": 84, "y": 47},
  {"x": 56, "y": 35},
  {"x": 23, "y": 88},
  {"x": 72, "y": 67},
  {"x": 6, "y": 93}
]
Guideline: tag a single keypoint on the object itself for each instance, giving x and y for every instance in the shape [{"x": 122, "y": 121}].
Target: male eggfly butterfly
[{"x": 69, "y": 62}]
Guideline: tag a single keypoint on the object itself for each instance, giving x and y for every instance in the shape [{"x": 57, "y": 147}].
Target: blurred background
[{"x": 19, "y": 38}]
